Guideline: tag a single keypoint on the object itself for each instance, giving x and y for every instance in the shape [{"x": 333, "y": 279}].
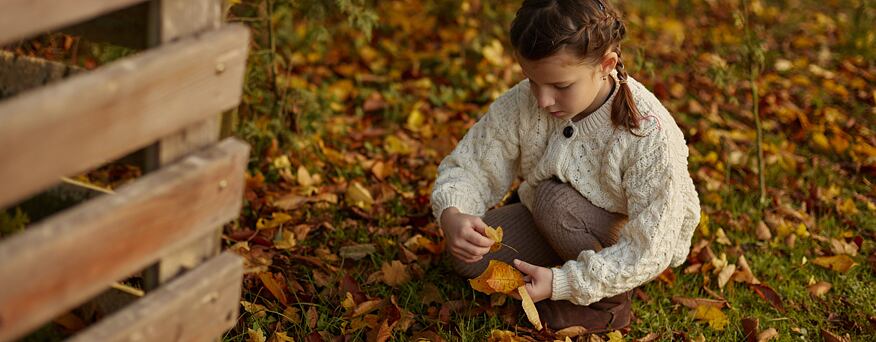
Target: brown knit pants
[{"x": 562, "y": 224}]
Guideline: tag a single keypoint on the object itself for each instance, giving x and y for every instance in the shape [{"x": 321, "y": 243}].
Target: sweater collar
[{"x": 600, "y": 119}]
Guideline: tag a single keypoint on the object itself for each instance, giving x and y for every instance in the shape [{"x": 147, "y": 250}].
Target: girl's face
[{"x": 565, "y": 87}]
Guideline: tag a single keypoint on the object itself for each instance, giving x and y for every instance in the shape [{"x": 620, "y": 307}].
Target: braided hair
[{"x": 589, "y": 29}]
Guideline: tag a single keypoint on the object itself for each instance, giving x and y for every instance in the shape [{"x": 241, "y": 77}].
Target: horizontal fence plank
[
  {"x": 20, "y": 19},
  {"x": 61, "y": 262},
  {"x": 198, "y": 306},
  {"x": 78, "y": 123}
]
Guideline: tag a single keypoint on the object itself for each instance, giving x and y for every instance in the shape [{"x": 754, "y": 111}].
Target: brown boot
[{"x": 609, "y": 314}]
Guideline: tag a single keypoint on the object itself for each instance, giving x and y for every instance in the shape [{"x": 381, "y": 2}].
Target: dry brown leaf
[
  {"x": 743, "y": 272},
  {"x": 841, "y": 263},
  {"x": 693, "y": 303},
  {"x": 819, "y": 289},
  {"x": 504, "y": 336},
  {"x": 649, "y": 338},
  {"x": 762, "y": 231},
  {"x": 395, "y": 273},
  {"x": 292, "y": 314},
  {"x": 366, "y": 307},
  {"x": 312, "y": 317},
  {"x": 572, "y": 331},
  {"x": 767, "y": 335},
  {"x": 529, "y": 307},
  {"x": 494, "y": 234},
  {"x": 721, "y": 237},
  {"x": 838, "y": 246},
  {"x": 831, "y": 337},
  {"x": 255, "y": 335},
  {"x": 357, "y": 251}
]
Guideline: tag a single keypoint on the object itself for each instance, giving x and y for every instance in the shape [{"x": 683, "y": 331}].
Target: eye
[{"x": 565, "y": 86}]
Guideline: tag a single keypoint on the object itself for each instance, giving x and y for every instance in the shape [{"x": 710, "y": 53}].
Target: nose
[{"x": 544, "y": 97}]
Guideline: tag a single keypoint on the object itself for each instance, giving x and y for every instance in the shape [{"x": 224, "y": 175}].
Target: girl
[{"x": 607, "y": 200}]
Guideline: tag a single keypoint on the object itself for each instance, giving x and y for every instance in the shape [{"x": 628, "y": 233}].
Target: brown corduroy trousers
[{"x": 562, "y": 224}]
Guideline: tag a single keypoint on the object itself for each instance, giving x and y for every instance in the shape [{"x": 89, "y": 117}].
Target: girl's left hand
[{"x": 539, "y": 280}]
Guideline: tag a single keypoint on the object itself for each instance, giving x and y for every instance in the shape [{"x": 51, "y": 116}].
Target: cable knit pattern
[{"x": 642, "y": 175}]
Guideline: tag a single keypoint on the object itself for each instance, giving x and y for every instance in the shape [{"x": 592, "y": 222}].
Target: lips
[{"x": 557, "y": 113}]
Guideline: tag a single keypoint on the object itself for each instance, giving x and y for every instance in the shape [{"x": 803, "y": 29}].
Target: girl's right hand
[{"x": 465, "y": 235}]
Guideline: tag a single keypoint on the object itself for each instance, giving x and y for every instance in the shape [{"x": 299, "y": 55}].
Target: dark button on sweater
[{"x": 567, "y": 132}]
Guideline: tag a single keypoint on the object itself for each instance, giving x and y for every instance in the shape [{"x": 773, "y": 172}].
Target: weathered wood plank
[
  {"x": 197, "y": 306},
  {"x": 172, "y": 20},
  {"x": 20, "y": 73},
  {"x": 22, "y": 18},
  {"x": 57, "y": 264},
  {"x": 73, "y": 125}
]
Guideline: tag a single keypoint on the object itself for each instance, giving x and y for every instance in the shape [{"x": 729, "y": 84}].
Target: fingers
[
  {"x": 524, "y": 267},
  {"x": 478, "y": 238}
]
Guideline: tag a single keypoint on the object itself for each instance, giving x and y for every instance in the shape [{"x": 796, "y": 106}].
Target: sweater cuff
[
  {"x": 560, "y": 285},
  {"x": 465, "y": 204}
]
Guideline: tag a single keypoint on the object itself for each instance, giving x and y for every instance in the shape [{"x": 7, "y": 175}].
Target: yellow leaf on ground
[
  {"x": 277, "y": 219},
  {"x": 255, "y": 335},
  {"x": 416, "y": 119},
  {"x": 498, "y": 277},
  {"x": 397, "y": 146},
  {"x": 395, "y": 273},
  {"x": 841, "y": 263},
  {"x": 615, "y": 336},
  {"x": 529, "y": 307},
  {"x": 494, "y": 234},
  {"x": 273, "y": 285},
  {"x": 358, "y": 195},
  {"x": 714, "y": 316},
  {"x": 503, "y": 336}
]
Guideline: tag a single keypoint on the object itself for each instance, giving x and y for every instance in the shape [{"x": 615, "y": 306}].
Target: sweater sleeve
[
  {"x": 647, "y": 242},
  {"x": 483, "y": 165}
]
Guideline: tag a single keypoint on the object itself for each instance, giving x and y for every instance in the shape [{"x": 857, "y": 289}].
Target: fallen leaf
[
  {"x": 70, "y": 321},
  {"x": 255, "y": 335},
  {"x": 272, "y": 283},
  {"x": 721, "y": 237},
  {"x": 494, "y": 234},
  {"x": 257, "y": 310},
  {"x": 841, "y": 263},
  {"x": 498, "y": 277},
  {"x": 312, "y": 317},
  {"x": 819, "y": 289},
  {"x": 767, "y": 335},
  {"x": 292, "y": 315},
  {"x": 529, "y": 307},
  {"x": 615, "y": 336},
  {"x": 831, "y": 337},
  {"x": 504, "y": 336},
  {"x": 693, "y": 303},
  {"x": 768, "y": 294},
  {"x": 667, "y": 276},
  {"x": 281, "y": 336},
  {"x": 650, "y": 337},
  {"x": 762, "y": 231},
  {"x": 572, "y": 331},
  {"x": 287, "y": 240},
  {"x": 714, "y": 316},
  {"x": 725, "y": 274},
  {"x": 743, "y": 272},
  {"x": 357, "y": 251},
  {"x": 366, "y": 307},
  {"x": 277, "y": 219},
  {"x": 750, "y": 327},
  {"x": 395, "y": 273},
  {"x": 358, "y": 196},
  {"x": 838, "y": 246}
]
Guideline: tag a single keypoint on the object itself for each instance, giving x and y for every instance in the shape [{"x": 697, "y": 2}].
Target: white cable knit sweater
[{"x": 645, "y": 178}]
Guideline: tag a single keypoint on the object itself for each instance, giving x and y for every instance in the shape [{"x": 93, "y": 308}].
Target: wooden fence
[{"x": 165, "y": 104}]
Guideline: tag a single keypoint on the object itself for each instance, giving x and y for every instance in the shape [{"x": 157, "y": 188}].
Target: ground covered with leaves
[{"x": 350, "y": 110}]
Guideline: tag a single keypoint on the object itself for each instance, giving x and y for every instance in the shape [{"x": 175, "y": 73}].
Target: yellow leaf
[
  {"x": 494, "y": 234},
  {"x": 841, "y": 263},
  {"x": 503, "y": 336},
  {"x": 255, "y": 335},
  {"x": 615, "y": 336},
  {"x": 273, "y": 286},
  {"x": 714, "y": 316},
  {"x": 358, "y": 196},
  {"x": 304, "y": 178},
  {"x": 257, "y": 310},
  {"x": 498, "y": 277},
  {"x": 416, "y": 119},
  {"x": 847, "y": 207},
  {"x": 395, "y": 145},
  {"x": 282, "y": 163},
  {"x": 282, "y": 337},
  {"x": 395, "y": 273},
  {"x": 277, "y": 219},
  {"x": 529, "y": 307},
  {"x": 820, "y": 141},
  {"x": 348, "y": 303},
  {"x": 287, "y": 242},
  {"x": 493, "y": 52}
]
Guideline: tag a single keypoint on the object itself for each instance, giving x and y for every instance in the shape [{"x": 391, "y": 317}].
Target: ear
[{"x": 609, "y": 62}]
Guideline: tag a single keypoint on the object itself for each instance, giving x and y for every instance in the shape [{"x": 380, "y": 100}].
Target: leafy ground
[{"x": 348, "y": 130}]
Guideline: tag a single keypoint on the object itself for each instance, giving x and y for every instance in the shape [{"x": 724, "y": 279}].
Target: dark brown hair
[{"x": 587, "y": 28}]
